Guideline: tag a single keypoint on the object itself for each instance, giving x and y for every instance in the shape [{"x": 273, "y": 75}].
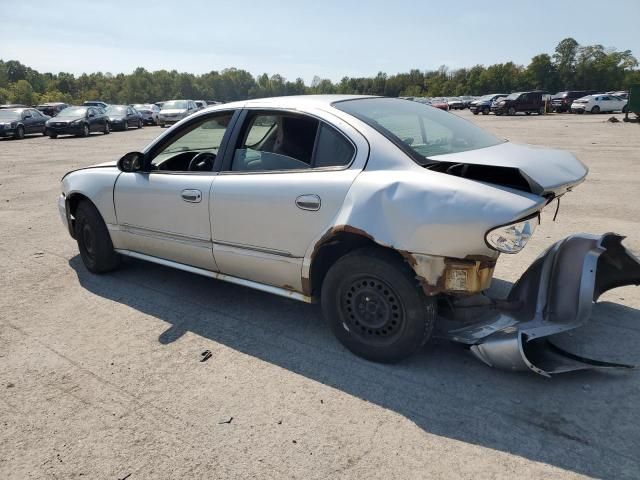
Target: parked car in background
[
  {"x": 483, "y": 104},
  {"x": 389, "y": 213},
  {"x": 623, "y": 94},
  {"x": 200, "y": 104},
  {"x": 525, "y": 102},
  {"x": 95, "y": 103},
  {"x": 599, "y": 103},
  {"x": 159, "y": 104},
  {"x": 18, "y": 122},
  {"x": 12, "y": 105},
  {"x": 121, "y": 117},
  {"x": 561, "y": 101},
  {"x": 467, "y": 99},
  {"x": 438, "y": 102},
  {"x": 175, "y": 110},
  {"x": 455, "y": 103},
  {"x": 79, "y": 121},
  {"x": 213, "y": 102},
  {"x": 52, "y": 109},
  {"x": 149, "y": 112}
]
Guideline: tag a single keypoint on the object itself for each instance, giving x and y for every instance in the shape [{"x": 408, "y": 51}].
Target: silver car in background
[
  {"x": 175, "y": 110},
  {"x": 392, "y": 214},
  {"x": 149, "y": 112}
]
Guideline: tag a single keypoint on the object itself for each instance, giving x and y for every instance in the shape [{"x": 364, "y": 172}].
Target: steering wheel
[{"x": 202, "y": 162}]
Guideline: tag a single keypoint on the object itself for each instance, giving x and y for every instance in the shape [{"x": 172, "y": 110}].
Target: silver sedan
[{"x": 390, "y": 213}]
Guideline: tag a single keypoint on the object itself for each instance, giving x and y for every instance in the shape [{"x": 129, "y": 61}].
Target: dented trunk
[{"x": 554, "y": 295}]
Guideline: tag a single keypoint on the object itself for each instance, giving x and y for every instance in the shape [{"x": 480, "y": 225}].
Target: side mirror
[{"x": 131, "y": 162}]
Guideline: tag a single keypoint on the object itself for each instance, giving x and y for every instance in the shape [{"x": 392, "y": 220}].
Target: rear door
[
  {"x": 164, "y": 211},
  {"x": 283, "y": 183}
]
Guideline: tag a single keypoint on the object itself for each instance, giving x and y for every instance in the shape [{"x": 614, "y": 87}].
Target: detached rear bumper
[{"x": 554, "y": 295}]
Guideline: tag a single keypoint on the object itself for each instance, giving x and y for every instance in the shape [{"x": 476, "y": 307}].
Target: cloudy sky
[{"x": 301, "y": 39}]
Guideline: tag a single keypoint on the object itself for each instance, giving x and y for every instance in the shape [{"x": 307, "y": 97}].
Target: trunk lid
[{"x": 543, "y": 171}]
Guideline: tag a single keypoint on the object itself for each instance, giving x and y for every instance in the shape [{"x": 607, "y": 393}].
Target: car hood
[
  {"x": 65, "y": 119},
  {"x": 119, "y": 116},
  {"x": 539, "y": 170}
]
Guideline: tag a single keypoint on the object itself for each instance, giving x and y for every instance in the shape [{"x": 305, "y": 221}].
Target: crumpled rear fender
[{"x": 554, "y": 295}]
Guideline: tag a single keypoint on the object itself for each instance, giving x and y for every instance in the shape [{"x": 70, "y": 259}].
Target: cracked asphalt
[{"x": 100, "y": 376}]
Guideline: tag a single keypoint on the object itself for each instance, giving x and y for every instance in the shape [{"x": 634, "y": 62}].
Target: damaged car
[{"x": 392, "y": 214}]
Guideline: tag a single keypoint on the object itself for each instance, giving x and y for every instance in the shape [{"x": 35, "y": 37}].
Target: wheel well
[
  {"x": 73, "y": 201},
  {"x": 335, "y": 248}
]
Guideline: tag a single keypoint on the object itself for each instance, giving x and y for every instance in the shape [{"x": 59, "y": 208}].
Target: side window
[
  {"x": 203, "y": 138},
  {"x": 332, "y": 149},
  {"x": 275, "y": 142}
]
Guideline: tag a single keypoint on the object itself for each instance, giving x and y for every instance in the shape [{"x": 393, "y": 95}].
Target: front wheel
[
  {"x": 375, "y": 307},
  {"x": 85, "y": 130},
  {"x": 107, "y": 129},
  {"x": 19, "y": 133},
  {"x": 139, "y": 123},
  {"x": 595, "y": 109},
  {"x": 485, "y": 111},
  {"x": 53, "y": 136},
  {"x": 94, "y": 242},
  {"x": 511, "y": 111}
]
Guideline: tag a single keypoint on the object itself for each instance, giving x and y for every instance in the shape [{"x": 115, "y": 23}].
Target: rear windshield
[
  {"x": 420, "y": 130},
  {"x": 177, "y": 104},
  {"x": 73, "y": 112},
  {"x": 116, "y": 109}
]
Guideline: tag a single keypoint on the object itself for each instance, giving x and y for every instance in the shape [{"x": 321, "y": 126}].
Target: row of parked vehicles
[
  {"x": 54, "y": 119},
  {"x": 535, "y": 101}
]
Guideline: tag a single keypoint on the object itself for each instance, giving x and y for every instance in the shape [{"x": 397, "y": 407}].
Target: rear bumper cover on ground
[{"x": 554, "y": 295}]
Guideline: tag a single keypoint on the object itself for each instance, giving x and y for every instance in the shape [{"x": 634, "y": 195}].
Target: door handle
[
  {"x": 308, "y": 202},
  {"x": 190, "y": 195}
]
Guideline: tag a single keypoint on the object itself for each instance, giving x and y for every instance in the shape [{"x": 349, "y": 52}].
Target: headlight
[
  {"x": 75, "y": 122},
  {"x": 512, "y": 238}
]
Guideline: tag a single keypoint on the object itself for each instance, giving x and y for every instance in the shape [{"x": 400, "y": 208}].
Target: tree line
[{"x": 571, "y": 66}]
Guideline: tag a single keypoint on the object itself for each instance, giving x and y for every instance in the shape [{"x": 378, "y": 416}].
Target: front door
[
  {"x": 164, "y": 212},
  {"x": 281, "y": 187}
]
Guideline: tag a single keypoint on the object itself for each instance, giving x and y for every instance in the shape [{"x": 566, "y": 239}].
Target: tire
[
  {"x": 595, "y": 109},
  {"x": 125, "y": 126},
  {"x": 485, "y": 111},
  {"x": 139, "y": 123},
  {"x": 94, "y": 242},
  {"x": 19, "y": 135},
  {"x": 107, "y": 129},
  {"x": 511, "y": 111},
  {"x": 162, "y": 125},
  {"x": 527, "y": 113},
  {"x": 53, "y": 136},
  {"x": 541, "y": 111},
  {"x": 375, "y": 307},
  {"x": 85, "y": 130},
  {"x": 475, "y": 112}
]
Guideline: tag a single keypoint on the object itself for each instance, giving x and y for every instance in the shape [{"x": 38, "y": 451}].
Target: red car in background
[{"x": 440, "y": 103}]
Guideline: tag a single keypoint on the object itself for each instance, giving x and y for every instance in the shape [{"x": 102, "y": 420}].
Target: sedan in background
[
  {"x": 175, "y": 110},
  {"x": 121, "y": 117},
  {"x": 599, "y": 104},
  {"x": 18, "y": 122},
  {"x": 440, "y": 103},
  {"x": 201, "y": 104},
  {"x": 455, "y": 103},
  {"x": 12, "y": 105},
  {"x": 52, "y": 109},
  {"x": 149, "y": 112},
  {"x": 483, "y": 104},
  {"x": 79, "y": 121},
  {"x": 561, "y": 101}
]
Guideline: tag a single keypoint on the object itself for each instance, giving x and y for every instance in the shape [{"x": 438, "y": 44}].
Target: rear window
[{"x": 420, "y": 130}]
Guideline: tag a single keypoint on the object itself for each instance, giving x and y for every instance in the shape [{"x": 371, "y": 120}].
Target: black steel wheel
[
  {"x": 19, "y": 132},
  {"x": 375, "y": 307}
]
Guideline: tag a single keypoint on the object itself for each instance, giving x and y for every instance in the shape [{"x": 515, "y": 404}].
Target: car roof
[{"x": 293, "y": 101}]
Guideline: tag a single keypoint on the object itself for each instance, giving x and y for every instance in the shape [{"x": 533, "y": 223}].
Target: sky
[{"x": 298, "y": 38}]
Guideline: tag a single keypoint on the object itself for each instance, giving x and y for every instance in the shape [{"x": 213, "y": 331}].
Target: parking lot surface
[{"x": 100, "y": 376}]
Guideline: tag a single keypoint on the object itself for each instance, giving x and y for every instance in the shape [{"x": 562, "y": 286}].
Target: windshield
[
  {"x": 73, "y": 112},
  {"x": 142, "y": 106},
  {"x": 116, "y": 109},
  {"x": 9, "y": 114},
  {"x": 425, "y": 131},
  {"x": 514, "y": 96},
  {"x": 175, "y": 104}
]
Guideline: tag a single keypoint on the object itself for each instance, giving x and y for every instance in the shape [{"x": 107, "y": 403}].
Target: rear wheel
[
  {"x": 475, "y": 112},
  {"x": 53, "y": 135},
  {"x": 375, "y": 307},
  {"x": 19, "y": 135},
  {"x": 485, "y": 111},
  {"x": 595, "y": 109},
  {"x": 511, "y": 111},
  {"x": 126, "y": 125},
  {"x": 139, "y": 123},
  {"x": 85, "y": 130},
  {"x": 94, "y": 242},
  {"x": 541, "y": 111}
]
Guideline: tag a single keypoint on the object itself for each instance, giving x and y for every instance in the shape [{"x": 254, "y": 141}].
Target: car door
[
  {"x": 270, "y": 202},
  {"x": 163, "y": 211},
  {"x": 38, "y": 121},
  {"x": 27, "y": 121}
]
